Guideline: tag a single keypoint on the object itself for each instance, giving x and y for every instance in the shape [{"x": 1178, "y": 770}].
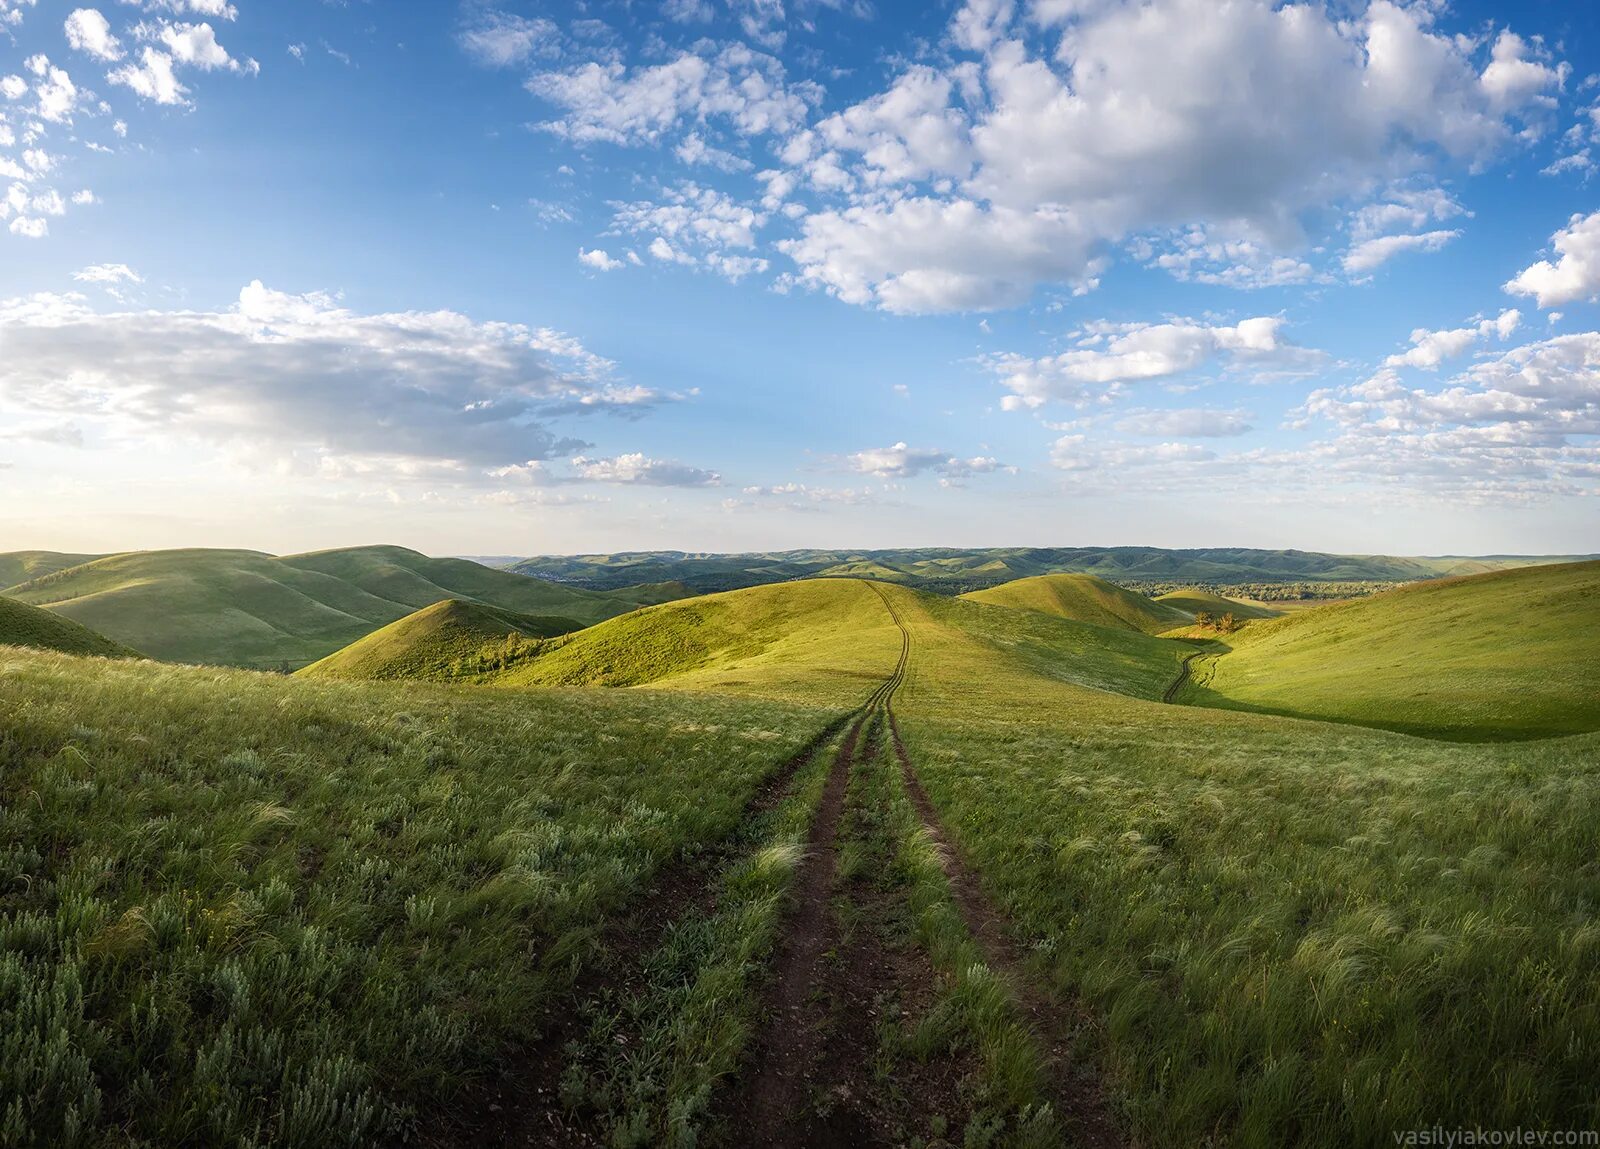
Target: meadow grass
[
  {"x": 1085, "y": 598},
  {"x": 446, "y": 642},
  {"x": 1195, "y": 599},
  {"x": 1492, "y": 657},
  {"x": 244, "y": 608},
  {"x": 23, "y": 625},
  {"x": 1295, "y": 932},
  {"x": 239, "y": 909}
]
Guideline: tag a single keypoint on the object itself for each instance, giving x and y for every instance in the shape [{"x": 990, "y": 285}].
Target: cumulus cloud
[
  {"x": 108, "y": 273},
  {"x": 1575, "y": 275},
  {"x": 696, "y": 226},
  {"x": 641, "y": 470},
  {"x": 1431, "y": 348},
  {"x": 598, "y": 260},
  {"x": 89, "y": 31},
  {"x": 499, "y": 39},
  {"x": 1109, "y": 356},
  {"x": 297, "y": 378},
  {"x": 903, "y": 462},
  {"x": 1373, "y": 253},
  {"x": 1186, "y": 423}
]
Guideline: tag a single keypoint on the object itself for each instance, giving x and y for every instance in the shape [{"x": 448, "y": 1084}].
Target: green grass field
[
  {"x": 1194, "y": 600},
  {"x": 1086, "y": 598},
  {"x": 243, "y": 608},
  {"x": 23, "y": 625},
  {"x": 832, "y": 856},
  {"x": 1496, "y": 656},
  {"x": 440, "y": 643}
]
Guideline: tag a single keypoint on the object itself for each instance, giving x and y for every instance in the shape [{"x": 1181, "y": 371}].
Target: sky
[{"x": 524, "y": 278}]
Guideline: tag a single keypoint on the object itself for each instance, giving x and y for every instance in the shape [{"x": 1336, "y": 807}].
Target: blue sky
[{"x": 746, "y": 274}]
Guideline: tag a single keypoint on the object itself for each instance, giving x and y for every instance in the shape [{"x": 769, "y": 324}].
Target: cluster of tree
[
  {"x": 1270, "y": 591},
  {"x": 1222, "y": 624}
]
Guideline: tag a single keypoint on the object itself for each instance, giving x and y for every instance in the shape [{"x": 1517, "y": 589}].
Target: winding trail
[
  {"x": 1077, "y": 1094},
  {"x": 1183, "y": 677}
]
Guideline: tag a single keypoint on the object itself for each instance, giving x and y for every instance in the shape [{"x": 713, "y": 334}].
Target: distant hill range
[
  {"x": 246, "y": 608},
  {"x": 958, "y": 571}
]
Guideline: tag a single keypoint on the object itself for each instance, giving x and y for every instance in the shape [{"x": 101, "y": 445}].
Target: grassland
[
  {"x": 857, "y": 861},
  {"x": 246, "y": 910},
  {"x": 1194, "y": 600},
  {"x": 1086, "y": 598},
  {"x": 243, "y": 608},
  {"x": 20, "y": 566},
  {"x": 23, "y": 625},
  {"x": 1491, "y": 657},
  {"x": 446, "y": 641}
]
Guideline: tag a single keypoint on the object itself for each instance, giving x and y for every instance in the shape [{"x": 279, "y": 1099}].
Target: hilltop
[
  {"x": 20, "y": 566},
  {"x": 23, "y": 625},
  {"x": 1504, "y": 655},
  {"x": 1086, "y": 599},
  {"x": 448, "y": 640},
  {"x": 1193, "y": 600},
  {"x": 246, "y": 608}
]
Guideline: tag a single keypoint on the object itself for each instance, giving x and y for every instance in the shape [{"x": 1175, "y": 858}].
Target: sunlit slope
[
  {"x": 1085, "y": 598},
  {"x": 245, "y": 608},
  {"x": 20, "y": 566},
  {"x": 1505, "y": 655},
  {"x": 1193, "y": 600},
  {"x": 823, "y": 640},
  {"x": 832, "y": 640},
  {"x": 448, "y": 640},
  {"x": 23, "y": 625}
]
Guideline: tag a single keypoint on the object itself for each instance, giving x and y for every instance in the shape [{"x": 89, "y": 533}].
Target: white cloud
[
  {"x": 598, "y": 260},
  {"x": 696, "y": 226},
  {"x": 1109, "y": 356},
  {"x": 606, "y": 102},
  {"x": 296, "y": 379},
  {"x": 89, "y": 31},
  {"x": 1431, "y": 348},
  {"x": 113, "y": 273},
  {"x": 29, "y": 228},
  {"x": 57, "y": 94},
  {"x": 1023, "y": 170},
  {"x": 640, "y": 470},
  {"x": 11, "y": 11},
  {"x": 903, "y": 462},
  {"x": 1186, "y": 423},
  {"x": 1373, "y": 253},
  {"x": 1575, "y": 276},
  {"x": 499, "y": 39},
  {"x": 152, "y": 77}
]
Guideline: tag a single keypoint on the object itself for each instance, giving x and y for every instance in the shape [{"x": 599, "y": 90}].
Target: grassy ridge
[
  {"x": 1504, "y": 655},
  {"x": 23, "y": 625},
  {"x": 20, "y": 566},
  {"x": 1294, "y": 933},
  {"x": 247, "y": 910},
  {"x": 1086, "y": 598},
  {"x": 243, "y": 608},
  {"x": 446, "y": 641}
]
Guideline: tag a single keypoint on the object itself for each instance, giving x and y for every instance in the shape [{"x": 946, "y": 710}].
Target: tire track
[
  {"x": 1077, "y": 1095},
  {"x": 1183, "y": 678}
]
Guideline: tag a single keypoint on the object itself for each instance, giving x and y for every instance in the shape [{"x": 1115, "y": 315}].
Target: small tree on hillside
[
  {"x": 1202, "y": 619},
  {"x": 1228, "y": 624}
]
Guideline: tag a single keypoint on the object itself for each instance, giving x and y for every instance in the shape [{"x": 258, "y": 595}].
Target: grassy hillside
[
  {"x": 448, "y": 640},
  {"x": 23, "y": 625},
  {"x": 961, "y": 570},
  {"x": 244, "y": 608},
  {"x": 1086, "y": 599},
  {"x": 1193, "y": 600},
  {"x": 1504, "y": 655},
  {"x": 20, "y": 566}
]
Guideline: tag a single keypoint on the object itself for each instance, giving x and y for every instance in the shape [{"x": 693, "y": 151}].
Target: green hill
[
  {"x": 447, "y": 640},
  {"x": 1193, "y": 600},
  {"x": 20, "y": 566},
  {"x": 245, "y": 608},
  {"x": 23, "y": 625},
  {"x": 1506, "y": 655},
  {"x": 1086, "y": 599}
]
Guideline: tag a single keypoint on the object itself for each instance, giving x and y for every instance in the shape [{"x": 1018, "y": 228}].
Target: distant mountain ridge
[{"x": 956, "y": 570}]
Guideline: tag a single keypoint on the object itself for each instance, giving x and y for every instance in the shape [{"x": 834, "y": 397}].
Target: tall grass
[{"x": 237, "y": 909}]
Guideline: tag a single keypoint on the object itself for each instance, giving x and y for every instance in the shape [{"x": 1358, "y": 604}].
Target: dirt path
[
  {"x": 522, "y": 1107},
  {"x": 1078, "y": 1096},
  {"x": 1183, "y": 678}
]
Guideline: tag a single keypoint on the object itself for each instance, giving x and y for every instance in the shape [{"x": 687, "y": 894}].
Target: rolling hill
[
  {"x": 1194, "y": 599},
  {"x": 954, "y": 570},
  {"x": 440, "y": 642},
  {"x": 20, "y": 566},
  {"x": 23, "y": 625},
  {"x": 245, "y": 608},
  {"x": 1495, "y": 656},
  {"x": 1086, "y": 599}
]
